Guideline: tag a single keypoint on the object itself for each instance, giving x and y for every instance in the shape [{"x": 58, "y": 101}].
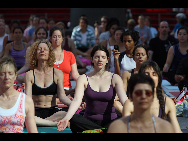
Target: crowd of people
[{"x": 122, "y": 93}]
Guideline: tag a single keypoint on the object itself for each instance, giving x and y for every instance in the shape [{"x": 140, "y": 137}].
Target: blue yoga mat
[{"x": 50, "y": 130}]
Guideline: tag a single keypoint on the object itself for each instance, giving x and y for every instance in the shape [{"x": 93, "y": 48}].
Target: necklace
[{"x": 59, "y": 59}]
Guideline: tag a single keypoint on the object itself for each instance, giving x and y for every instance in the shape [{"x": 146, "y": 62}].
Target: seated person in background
[
  {"x": 40, "y": 33},
  {"x": 68, "y": 45},
  {"x": 175, "y": 54},
  {"x": 159, "y": 46},
  {"x": 141, "y": 94},
  {"x": 100, "y": 28},
  {"x": 17, "y": 48},
  {"x": 124, "y": 60},
  {"x": 106, "y": 35},
  {"x": 144, "y": 31},
  {"x": 83, "y": 37},
  {"x": 181, "y": 75}
]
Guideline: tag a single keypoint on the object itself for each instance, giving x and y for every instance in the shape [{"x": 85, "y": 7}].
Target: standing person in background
[
  {"x": 153, "y": 30},
  {"x": 144, "y": 31},
  {"x": 30, "y": 25},
  {"x": 15, "y": 108},
  {"x": 7, "y": 30}
]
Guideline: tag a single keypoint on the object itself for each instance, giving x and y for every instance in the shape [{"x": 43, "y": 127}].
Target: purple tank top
[
  {"x": 100, "y": 105},
  {"x": 18, "y": 55}
]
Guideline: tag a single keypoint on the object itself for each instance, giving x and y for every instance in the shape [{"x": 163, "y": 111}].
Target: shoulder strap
[
  {"x": 87, "y": 78},
  {"x": 154, "y": 123},
  {"x": 53, "y": 74}
]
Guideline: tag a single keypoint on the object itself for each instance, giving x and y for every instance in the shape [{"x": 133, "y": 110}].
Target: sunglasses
[
  {"x": 103, "y": 21},
  {"x": 148, "y": 93}
]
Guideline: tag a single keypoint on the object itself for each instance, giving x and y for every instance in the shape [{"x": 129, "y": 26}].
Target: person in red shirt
[{"x": 65, "y": 60}]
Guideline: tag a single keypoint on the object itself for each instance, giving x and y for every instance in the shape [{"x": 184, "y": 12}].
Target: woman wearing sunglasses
[
  {"x": 162, "y": 106},
  {"x": 141, "y": 90}
]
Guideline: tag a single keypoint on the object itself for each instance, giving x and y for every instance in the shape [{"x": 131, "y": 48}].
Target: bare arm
[
  {"x": 118, "y": 86},
  {"x": 28, "y": 83},
  {"x": 60, "y": 88},
  {"x": 169, "y": 59},
  {"x": 116, "y": 62},
  {"x": 74, "y": 71},
  {"x": 127, "y": 108},
  {"x": 30, "y": 120},
  {"x": 172, "y": 114},
  {"x": 125, "y": 77},
  {"x": 79, "y": 93},
  {"x": 7, "y": 49}
]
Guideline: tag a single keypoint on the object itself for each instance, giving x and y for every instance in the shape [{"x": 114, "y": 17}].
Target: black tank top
[{"x": 49, "y": 90}]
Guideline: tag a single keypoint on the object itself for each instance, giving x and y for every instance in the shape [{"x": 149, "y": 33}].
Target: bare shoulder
[
  {"x": 118, "y": 126},
  {"x": 163, "y": 126},
  {"x": 126, "y": 74},
  {"x": 58, "y": 72},
  {"x": 29, "y": 74}
]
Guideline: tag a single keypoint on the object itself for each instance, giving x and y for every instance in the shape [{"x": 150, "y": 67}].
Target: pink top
[{"x": 12, "y": 120}]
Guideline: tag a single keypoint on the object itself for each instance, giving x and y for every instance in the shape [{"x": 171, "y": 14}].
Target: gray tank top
[{"x": 128, "y": 124}]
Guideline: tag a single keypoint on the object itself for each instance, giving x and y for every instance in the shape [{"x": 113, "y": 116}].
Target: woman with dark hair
[
  {"x": 124, "y": 61},
  {"x": 162, "y": 106},
  {"x": 111, "y": 41},
  {"x": 99, "y": 89},
  {"x": 17, "y": 48},
  {"x": 141, "y": 94},
  {"x": 175, "y": 54},
  {"x": 139, "y": 56}
]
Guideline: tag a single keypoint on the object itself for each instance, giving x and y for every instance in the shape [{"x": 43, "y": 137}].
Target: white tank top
[{"x": 127, "y": 64}]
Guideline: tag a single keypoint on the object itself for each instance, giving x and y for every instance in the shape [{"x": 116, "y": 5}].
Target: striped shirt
[{"x": 77, "y": 37}]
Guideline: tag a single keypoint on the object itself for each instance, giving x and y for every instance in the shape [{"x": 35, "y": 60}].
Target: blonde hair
[
  {"x": 8, "y": 60},
  {"x": 32, "y": 54}
]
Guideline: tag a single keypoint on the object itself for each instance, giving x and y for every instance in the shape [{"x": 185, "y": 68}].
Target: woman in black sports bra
[{"x": 44, "y": 83}]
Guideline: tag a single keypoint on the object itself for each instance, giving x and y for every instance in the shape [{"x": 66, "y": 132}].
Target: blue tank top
[
  {"x": 100, "y": 105},
  {"x": 178, "y": 56},
  {"x": 18, "y": 55}
]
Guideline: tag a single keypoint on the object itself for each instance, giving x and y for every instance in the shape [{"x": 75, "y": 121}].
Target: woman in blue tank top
[
  {"x": 99, "y": 89},
  {"x": 175, "y": 54}
]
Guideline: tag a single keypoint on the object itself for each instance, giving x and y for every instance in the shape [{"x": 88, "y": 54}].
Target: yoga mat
[{"x": 50, "y": 130}]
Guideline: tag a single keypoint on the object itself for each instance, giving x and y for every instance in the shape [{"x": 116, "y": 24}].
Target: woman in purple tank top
[
  {"x": 17, "y": 48},
  {"x": 99, "y": 89}
]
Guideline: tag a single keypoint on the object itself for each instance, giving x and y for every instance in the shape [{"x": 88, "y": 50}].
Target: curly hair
[
  {"x": 154, "y": 65},
  {"x": 134, "y": 34},
  {"x": 32, "y": 54}
]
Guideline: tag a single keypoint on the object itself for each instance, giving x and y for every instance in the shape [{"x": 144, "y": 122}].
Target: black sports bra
[{"x": 49, "y": 90}]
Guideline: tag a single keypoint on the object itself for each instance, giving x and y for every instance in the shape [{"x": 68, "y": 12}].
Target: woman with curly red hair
[{"x": 44, "y": 83}]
